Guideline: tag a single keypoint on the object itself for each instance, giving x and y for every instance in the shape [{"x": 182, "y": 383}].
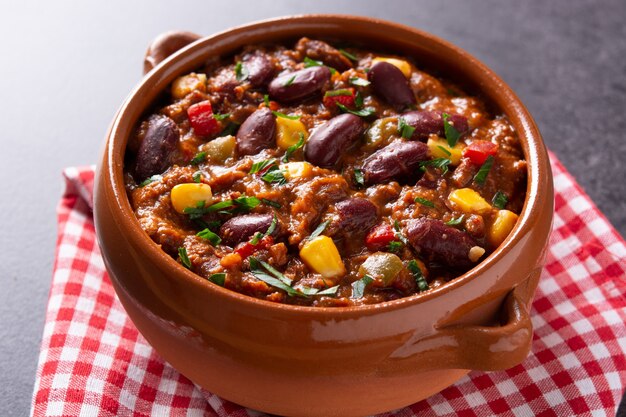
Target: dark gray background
[{"x": 66, "y": 66}]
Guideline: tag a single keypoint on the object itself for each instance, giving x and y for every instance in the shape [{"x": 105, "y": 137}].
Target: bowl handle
[
  {"x": 492, "y": 348},
  {"x": 165, "y": 45}
]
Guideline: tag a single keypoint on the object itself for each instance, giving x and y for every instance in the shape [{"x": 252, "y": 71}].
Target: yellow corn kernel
[
  {"x": 468, "y": 201},
  {"x": 190, "y": 195},
  {"x": 288, "y": 132},
  {"x": 296, "y": 170},
  {"x": 321, "y": 255},
  {"x": 187, "y": 83},
  {"x": 220, "y": 149},
  {"x": 402, "y": 65},
  {"x": 436, "y": 146},
  {"x": 501, "y": 227}
]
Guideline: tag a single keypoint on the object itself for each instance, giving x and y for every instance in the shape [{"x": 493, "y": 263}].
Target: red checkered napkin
[{"x": 94, "y": 362}]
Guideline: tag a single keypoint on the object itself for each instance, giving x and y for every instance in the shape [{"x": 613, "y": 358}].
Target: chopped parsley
[
  {"x": 207, "y": 234},
  {"x": 289, "y": 81},
  {"x": 293, "y": 148},
  {"x": 359, "y": 178},
  {"x": 256, "y": 238},
  {"x": 274, "y": 175},
  {"x": 197, "y": 176},
  {"x": 238, "y": 205},
  {"x": 421, "y": 282},
  {"x": 286, "y": 116},
  {"x": 358, "y": 81},
  {"x": 358, "y": 100},
  {"x": 219, "y": 117},
  {"x": 308, "y": 62},
  {"x": 398, "y": 232},
  {"x": 499, "y": 200},
  {"x": 241, "y": 72},
  {"x": 258, "y": 235},
  {"x": 218, "y": 278},
  {"x": 200, "y": 157},
  {"x": 481, "y": 175},
  {"x": 150, "y": 180},
  {"x": 230, "y": 129},
  {"x": 318, "y": 230},
  {"x": 444, "y": 150},
  {"x": 441, "y": 163},
  {"x": 261, "y": 165},
  {"x": 424, "y": 202},
  {"x": 395, "y": 246},
  {"x": 266, "y": 100},
  {"x": 366, "y": 112},
  {"x": 266, "y": 273},
  {"x": 358, "y": 287},
  {"x": 348, "y": 55},
  {"x": 271, "y": 203},
  {"x": 184, "y": 259},
  {"x": 452, "y": 135},
  {"x": 456, "y": 221},
  {"x": 406, "y": 130}
]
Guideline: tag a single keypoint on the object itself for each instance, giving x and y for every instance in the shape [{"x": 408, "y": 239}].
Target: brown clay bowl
[{"x": 297, "y": 361}]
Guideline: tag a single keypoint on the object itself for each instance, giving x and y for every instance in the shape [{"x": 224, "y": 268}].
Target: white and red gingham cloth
[{"x": 93, "y": 361}]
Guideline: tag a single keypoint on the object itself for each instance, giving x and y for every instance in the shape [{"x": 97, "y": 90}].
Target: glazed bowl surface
[{"x": 295, "y": 360}]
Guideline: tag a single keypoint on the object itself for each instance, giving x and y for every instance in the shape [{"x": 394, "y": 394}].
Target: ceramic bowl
[{"x": 306, "y": 361}]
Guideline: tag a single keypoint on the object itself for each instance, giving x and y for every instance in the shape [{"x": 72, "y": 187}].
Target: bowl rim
[{"x": 527, "y": 131}]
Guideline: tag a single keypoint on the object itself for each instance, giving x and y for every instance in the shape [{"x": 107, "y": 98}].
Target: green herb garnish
[
  {"x": 289, "y": 81},
  {"x": 184, "y": 259},
  {"x": 266, "y": 100},
  {"x": 348, "y": 55},
  {"x": 262, "y": 270},
  {"x": 398, "y": 232},
  {"x": 293, "y": 148},
  {"x": 197, "y": 176},
  {"x": 240, "y": 204},
  {"x": 456, "y": 221},
  {"x": 200, "y": 157},
  {"x": 261, "y": 165},
  {"x": 150, "y": 180},
  {"x": 406, "y": 130},
  {"x": 328, "y": 291},
  {"x": 481, "y": 175},
  {"x": 358, "y": 287},
  {"x": 218, "y": 278},
  {"x": 499, "y": 200},
  {"x": 230, "y": 129},
  {"x": 395, "y": 246},
  {"x": 271, "y": 203},
  {"x": 340, "y": 92},
  {"x": 274, "y": 175},
  {"x": 318, "y": 230},
  {"x": 358, "y": 100},
  {"x": 444, "y": 150},
  {"x": 255, "y": 239},
  {"x": 359, "y": 177},
  {"x": 366, "y": 112},
  {"x": 441, "y": 163},
  {"x": 421, "y": 282},
  {"x": 308, "y": 62},
  {"x": 207, "y": 234},
  {"x": 241, "y": 72},
  {"x": 220, "y": 117},
  {"x": 358, "y": 81},
  {"x": 286, "y": 116},
  {"x": 424, "y": 202},
  {"x": 452, "y": 135}
]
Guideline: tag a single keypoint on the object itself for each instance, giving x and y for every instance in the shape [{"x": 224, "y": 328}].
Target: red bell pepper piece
[
  {"x": 344, "y": 96},
  {"x": 202, "y": 119},
  {"x": 248, "y": 248},
  {"x": 479, "y": 150},
  {"x": 379, "y": 237}
]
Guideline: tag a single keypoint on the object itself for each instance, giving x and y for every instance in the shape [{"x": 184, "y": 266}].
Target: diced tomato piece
[
  {"x": 247, "y": 248},
  {"x": 479, "y": 150},
  {"x": 380, "y": 237},
  {"x": 344, "y": 96},
  {"x": 202, "y": 119}
]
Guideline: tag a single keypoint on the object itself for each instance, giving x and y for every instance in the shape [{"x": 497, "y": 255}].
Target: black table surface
[{"x": 67, "y": 66}]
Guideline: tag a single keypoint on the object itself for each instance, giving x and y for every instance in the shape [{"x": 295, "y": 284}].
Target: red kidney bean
[
  {"x": 442, "y": 243},
  {"x": 256, "y": 132},
  {"x": 431, "y": 123},
  {"x": 390, "y": 84},
  {"x": 327, "y": 143},
  {"x": 154, "y": 151},
  {"x": 398, "y": 161},
  {"x": 298, "y": 85},
  {"x": 260, "y": 69},
  {"x": 241, "y": 228},
  {"x": 356, "y": 214}
]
